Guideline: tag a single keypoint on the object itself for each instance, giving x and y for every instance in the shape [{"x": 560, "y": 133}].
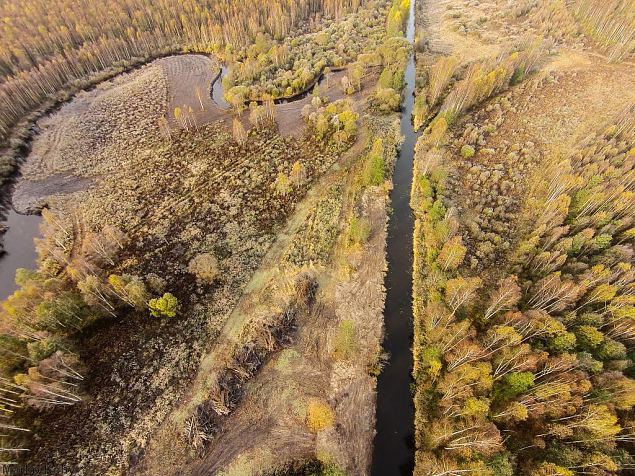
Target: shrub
[
  {"x": 331, "y": 470},
  {"x": 374, "y": 170},
  {"x": 359, "y": 231},
  {"x": 204, "y": 267},
  {"x": 165, "y": 306},
  {"x": 345, "y": 340},
  {"x": 467, "y": 151},
  {"x": 319, "y": 416}
]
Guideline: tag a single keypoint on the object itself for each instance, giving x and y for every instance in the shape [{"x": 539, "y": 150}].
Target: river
[
  {"x": 393, "y": 451},
  {"x": 19, "y": 249}
]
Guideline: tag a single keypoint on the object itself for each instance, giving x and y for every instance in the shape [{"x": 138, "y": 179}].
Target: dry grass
[{"x": 282, "y": 395}]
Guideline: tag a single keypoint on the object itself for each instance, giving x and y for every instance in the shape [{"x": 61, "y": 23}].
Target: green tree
[
  {"x": 588, "y": 337},
  {"x": 550, "y": 469},
  {"x": 500, "y": 465},
  {"x": 386, "y": 78},
  {"x": 475, "y": 407},
  {"x": 298, "y": 173},
  {"x": 374, "y": 167},
  {"x": 514, "y": 384},
  {"x": 165, "y": 306}
]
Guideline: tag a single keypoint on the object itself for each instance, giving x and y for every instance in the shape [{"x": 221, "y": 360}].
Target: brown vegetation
[
  {"x": 177, "y": 211},
  {"x": 331, "y": 372}
]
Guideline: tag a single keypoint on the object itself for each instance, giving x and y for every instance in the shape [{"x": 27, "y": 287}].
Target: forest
[
  {"x": 543, "y": 355},
  {"x": 523, "y": 348}
]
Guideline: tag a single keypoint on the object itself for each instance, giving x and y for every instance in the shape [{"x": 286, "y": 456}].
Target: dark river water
[
  {"x": 19, "y": 249},
  {"x": 218, "y": 95},
  {"x": 393, "y": 452}
]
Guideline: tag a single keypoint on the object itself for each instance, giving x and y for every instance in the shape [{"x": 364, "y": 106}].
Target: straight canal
[{"x": 393, "y": 451}]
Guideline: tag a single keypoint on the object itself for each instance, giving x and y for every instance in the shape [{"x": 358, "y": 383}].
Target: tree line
[
  {"x": 49, "y": 46},
  {"x": 272, "y": 69}
]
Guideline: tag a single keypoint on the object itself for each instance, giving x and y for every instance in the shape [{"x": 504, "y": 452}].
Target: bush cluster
[{"x": 282, "y": 69}]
